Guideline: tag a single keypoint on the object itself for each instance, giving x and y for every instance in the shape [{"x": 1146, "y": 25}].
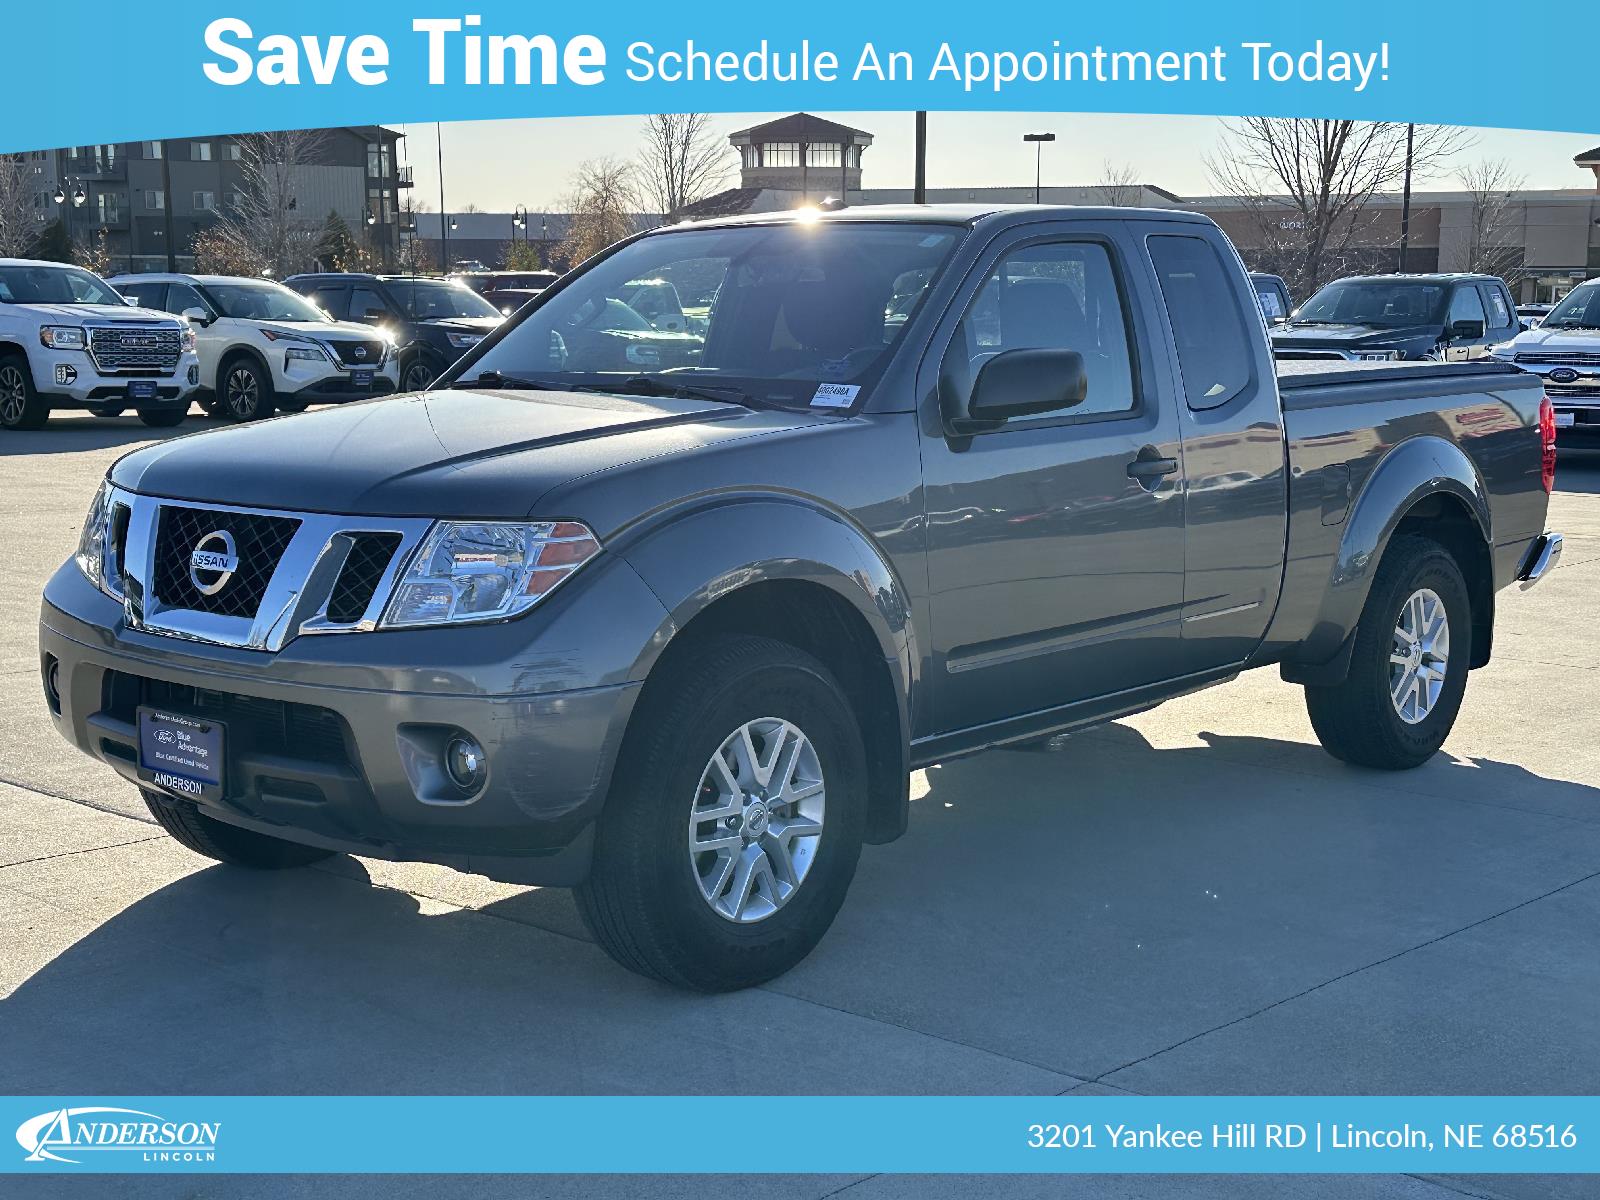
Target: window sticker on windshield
[{"x": 835, "y": 395}]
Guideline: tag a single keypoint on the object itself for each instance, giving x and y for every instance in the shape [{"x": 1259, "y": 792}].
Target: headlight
[
  {"x": 462, "y": 340},
  {"x": 91, "y": 556},
  {"x": 186, "y": 337},
  {"x": 62, "y": 337},
  {"x": 305, "y": 354},
  {"x": 485, "y": 571}
]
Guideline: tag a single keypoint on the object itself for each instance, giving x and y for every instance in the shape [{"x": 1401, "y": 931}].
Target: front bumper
[
  {"x": 332, "y": 383},
  {"x": 69, "y": 379},
  {"x": 343, "y": 751}
]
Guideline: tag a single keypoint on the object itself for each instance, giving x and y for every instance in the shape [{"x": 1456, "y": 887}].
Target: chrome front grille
[
  {"x": 295, "y": 573},
  {"x": 359, "y": 353},
  {"x": 123, "y": 349},
  {"x": 1560, "y": 358}
]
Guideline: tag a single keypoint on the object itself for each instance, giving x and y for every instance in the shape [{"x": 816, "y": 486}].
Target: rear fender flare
[{"x": 1413, "y": 471}]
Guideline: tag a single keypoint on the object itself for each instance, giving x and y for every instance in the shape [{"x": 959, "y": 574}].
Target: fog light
[
  {"x": 465, "y": 762},
  {"x": 66, "y": 374},
  {"x": 194, "y": 375},
  {"x": 52, "y": 683}
]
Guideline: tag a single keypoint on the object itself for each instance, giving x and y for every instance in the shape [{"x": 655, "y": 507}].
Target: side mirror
[
  {"x": 197, "y": 316},
  {"x": 1022, "y": 383},
  {"x": 1466, "y": 330},
  {"x": 130, "y": 301}
]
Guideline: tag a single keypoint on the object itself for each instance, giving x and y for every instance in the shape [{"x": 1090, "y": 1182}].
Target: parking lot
[{"x": 1195, "y": 900}]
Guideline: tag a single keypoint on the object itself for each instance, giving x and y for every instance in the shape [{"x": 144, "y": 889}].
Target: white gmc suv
[
  {"x": 67, "y": 340},
  {"x": 264, "y": 347}
]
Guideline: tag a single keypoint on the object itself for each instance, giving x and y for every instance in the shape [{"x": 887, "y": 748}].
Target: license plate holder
[
  {"x": 181, "y": 754},
  {"x": 361, "y": 380},
  {"x": 141, "y": 389},
  {"x": 1566, "y": 420}
]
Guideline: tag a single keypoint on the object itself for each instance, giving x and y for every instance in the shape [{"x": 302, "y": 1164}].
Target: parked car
[
  {"x": 467, "y": 265},
  {"x": 432, "y": 322},
  {"x": 1272, "y": 294},
  {"x": 1531, "y": 315},
  {"x": 264, "y": 347},
  {"x": 68, "y": 339},
  {"x": 508, "y": 300},
  {"x": 1448, "y": 318},
  {"x": 485, "y": 282},
  {"x": 1564, "y": 352},
  {"x": 678, "y": 636}
]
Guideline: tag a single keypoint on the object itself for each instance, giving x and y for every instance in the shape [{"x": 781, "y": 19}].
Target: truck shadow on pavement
[
  {"x": 1243, "y": 915},
  {"x": 78, "y": 434}
]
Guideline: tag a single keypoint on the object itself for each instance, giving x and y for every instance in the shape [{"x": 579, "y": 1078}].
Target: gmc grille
[{"x": 132, "y": 348}]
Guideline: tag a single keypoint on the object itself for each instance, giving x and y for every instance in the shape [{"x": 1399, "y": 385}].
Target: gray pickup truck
[{"x": 676, "y": 633}]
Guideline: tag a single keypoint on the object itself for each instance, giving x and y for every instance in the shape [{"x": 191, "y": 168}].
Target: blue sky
[{"x": 499, "y": 164}]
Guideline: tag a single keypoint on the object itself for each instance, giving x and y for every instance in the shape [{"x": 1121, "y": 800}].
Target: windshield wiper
[
  {"x": 497, "y": 380},
  {"x": 644, "y": 385}
]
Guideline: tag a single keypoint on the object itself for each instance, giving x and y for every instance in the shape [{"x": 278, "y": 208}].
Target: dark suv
[
  {"x": 434, "y": 321},
  {"x": 1377, "y": 318}
]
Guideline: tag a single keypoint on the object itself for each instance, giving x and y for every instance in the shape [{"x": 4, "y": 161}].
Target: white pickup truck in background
[
  {"x": 1564, "y": 351},
  {"x": 69, "y": 340}
]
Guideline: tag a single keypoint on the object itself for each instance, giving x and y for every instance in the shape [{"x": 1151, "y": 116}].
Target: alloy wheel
[
  {"x": 419, "y": 375},
  {"x": 243, "y": 392},
  {"x": 13, "y": 394},
  {"x": 756, "y": 820},
  {"x": 1420, "y": 657}
]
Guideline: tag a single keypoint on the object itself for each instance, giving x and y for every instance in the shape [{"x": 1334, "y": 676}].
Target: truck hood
[
  {"x": 1556, "y": 339},
  {"x": 73, "y": 314},
  {"x": 433, "y": 454},
  {"x": 1310, "y": 336}
]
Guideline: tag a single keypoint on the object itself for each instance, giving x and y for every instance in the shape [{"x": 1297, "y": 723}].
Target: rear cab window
[{"x": 1208, "y": 328}]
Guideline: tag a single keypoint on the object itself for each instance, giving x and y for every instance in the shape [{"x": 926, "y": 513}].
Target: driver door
[{"x": 1055, "y": 543}]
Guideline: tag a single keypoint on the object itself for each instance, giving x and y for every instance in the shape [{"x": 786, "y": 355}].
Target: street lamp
[
  {"x": 1038, "y": 140},
  {"x": 544, "y": 240},
  {"x": 519, "y": 220}
]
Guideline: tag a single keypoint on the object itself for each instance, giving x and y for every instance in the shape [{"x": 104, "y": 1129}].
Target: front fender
[
  {"x": 695, "y": 556},
  {"x": 1414, "y": 470}
]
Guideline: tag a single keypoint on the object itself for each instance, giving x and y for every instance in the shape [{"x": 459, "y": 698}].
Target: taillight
[{"x": 1547, "y": 443}]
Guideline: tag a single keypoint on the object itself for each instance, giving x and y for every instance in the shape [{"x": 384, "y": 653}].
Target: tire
[
  {"x": 244, "y": 390},
  {"x": 209, "y": 404},
  {"x": 21, "y": 407},
  {"x": 226, "y": 843},
  {"x": 673, "y": 916},
  {"x": 418, "y": 372},
  {"x": 163, "y": 418},
  {"x": 1360, "y": 720},
  {"x": 292, "y": 404}
]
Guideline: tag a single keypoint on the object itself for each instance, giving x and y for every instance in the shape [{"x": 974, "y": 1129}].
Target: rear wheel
[
  {"x": 163, "y": 418},
  {"x": 1408, "y": 669},
  {"x": 21, "y": 407},
  {"x": 246, "y": 390},
  {"x": 226, "y": 843},
  {"x": 734, "y": 826}
]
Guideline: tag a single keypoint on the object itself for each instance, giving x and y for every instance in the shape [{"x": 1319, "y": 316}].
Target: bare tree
[
  {"x": 95, "y": 254},
  {"x": 1494, "y": 243},
  {"x": 1119, "y": 185},
  {"x": 1306, "y": 185},
  {"x": 19, "y": 224},
  {"x": 682, "y": 160},
  {"x": 267, "y": 224},
  {"x": 602, "y": 204}
]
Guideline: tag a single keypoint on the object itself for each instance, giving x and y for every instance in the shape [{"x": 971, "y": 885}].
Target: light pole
[
  {"x": 1038, "y": 140},
  {"x": 519, "y": 220},
  {"x": 1405, "y": 203},
  {"x": 444, "y": 234},
  {"x": 544, "y": 240}
]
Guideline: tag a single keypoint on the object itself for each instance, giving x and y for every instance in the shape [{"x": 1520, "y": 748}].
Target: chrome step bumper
[{"x": 1542, "y": 558}]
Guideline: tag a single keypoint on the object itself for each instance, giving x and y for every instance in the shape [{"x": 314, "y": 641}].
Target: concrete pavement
[{"x": 1195, "y": 900}]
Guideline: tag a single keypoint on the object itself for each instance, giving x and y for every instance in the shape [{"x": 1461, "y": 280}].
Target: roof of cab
[{"x": 945, "y": 214}]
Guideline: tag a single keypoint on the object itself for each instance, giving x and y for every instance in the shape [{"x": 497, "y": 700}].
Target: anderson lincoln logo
[
  {"x": 72, "y": 1135},
  {"x": 213, "y": 561}
]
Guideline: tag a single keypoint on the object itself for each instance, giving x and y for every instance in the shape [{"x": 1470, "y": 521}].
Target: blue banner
[
  {"x": 124, "y": 72},
  {"x": 1299, "y": 1134}
]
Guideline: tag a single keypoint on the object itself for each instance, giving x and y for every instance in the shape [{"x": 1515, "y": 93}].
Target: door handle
[{"x": 1148, "y": 470}]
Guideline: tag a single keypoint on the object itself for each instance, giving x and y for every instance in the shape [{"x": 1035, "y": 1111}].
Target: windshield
[
  {"x": 263, "y": 302},
  {"x": 34, "y": 284},
  {"x": 772, "y": 311},
  {"x": 1387, "y": 303},
  {"x": 1580, "y": 309},
  {"x": 436, "y": 299}
]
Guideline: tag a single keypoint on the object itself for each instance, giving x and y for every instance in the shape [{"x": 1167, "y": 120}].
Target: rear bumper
[
  {"x": 335, "y": 759},
  {"x": 1541, "y": 559}
]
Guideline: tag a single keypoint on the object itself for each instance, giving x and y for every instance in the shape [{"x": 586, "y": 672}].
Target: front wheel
[
  {"x": 417, "y": 373},
  {"x": 226, "y": 843},
  {"x": 21, "y": 407},
  {"x": 246, "y": 391},
  {"x": 1408, "y": 669},
  {"x": 735, "y": 822}
]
